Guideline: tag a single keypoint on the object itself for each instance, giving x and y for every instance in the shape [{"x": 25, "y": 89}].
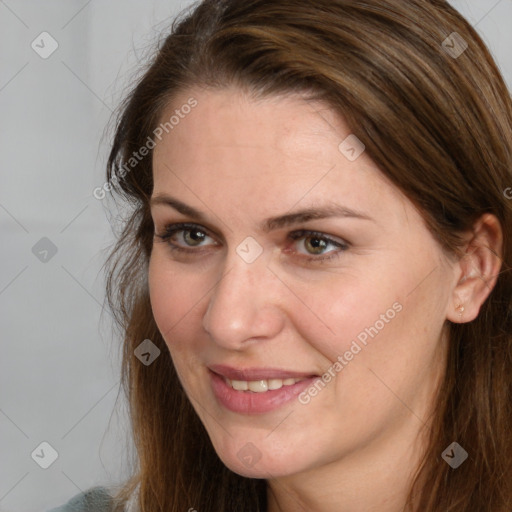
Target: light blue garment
[{"x": 96, "y": 499}]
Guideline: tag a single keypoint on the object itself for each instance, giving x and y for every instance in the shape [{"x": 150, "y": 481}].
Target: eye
[
  {"x": 316, "y": 245},
  {"x": 184, "y": 237},
  {"x": 189, "y": 238}
]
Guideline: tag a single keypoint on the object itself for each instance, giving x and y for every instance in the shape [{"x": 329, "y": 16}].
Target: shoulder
[{"x": 96, "y": 499}]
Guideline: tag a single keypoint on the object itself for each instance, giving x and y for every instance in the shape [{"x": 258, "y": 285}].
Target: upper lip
[{"x": 249, "y": 374}]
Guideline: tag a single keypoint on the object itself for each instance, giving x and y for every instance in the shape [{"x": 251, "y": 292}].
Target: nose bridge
[{"x": 243, "y": 304}]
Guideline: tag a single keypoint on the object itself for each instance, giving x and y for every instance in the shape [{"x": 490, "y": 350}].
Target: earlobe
[{"x": 478, "y": 270}]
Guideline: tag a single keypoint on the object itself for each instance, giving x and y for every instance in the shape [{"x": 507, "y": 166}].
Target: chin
[{"x": 250, "y": 463}]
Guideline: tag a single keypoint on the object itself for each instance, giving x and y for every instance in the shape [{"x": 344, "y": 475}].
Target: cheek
[
  {"x": 173, "y": 301},
  {"x": 374, "y": 321},
  {"x": 344, "y": 309},
  {"x": 170, "y": 301},
  {"x": 388, "y": 334},
  {"x": 178, "y": 298}
]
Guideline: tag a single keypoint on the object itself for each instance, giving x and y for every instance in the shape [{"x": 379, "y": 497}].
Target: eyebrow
[{"x": 323, "y": 212}]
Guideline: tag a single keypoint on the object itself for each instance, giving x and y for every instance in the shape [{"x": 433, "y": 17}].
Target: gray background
[{"x": 59, "y": 360}]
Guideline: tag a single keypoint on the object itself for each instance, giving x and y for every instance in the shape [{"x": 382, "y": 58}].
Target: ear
[{"x": 477, "y": 270}]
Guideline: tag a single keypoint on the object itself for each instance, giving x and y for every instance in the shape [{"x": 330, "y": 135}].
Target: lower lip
[{"x": 248, "y": 402}]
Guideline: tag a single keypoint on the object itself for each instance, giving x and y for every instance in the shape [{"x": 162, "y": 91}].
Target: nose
[{"x": 246, "y": 304}]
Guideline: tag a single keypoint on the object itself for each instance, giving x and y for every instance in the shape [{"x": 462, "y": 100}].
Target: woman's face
[{"x": 302, "y": 261}]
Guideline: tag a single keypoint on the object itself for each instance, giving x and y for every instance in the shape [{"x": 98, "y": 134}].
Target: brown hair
[{"x": 438, "y": 126}]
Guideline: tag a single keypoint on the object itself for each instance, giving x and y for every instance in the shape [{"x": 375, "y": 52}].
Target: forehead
[
  {"x": 280, "y": 149},
  {"x": 229, "y": 117}
]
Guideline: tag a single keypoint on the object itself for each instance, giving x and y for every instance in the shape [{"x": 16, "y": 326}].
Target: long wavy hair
[{"x": 438, "y": 125}]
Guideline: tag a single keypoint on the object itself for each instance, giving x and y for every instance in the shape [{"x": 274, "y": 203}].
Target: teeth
[
  {"x": 239, "y": 385},
  {"x": 275, "y": 383},
  {"x": 260, "y": 386}
]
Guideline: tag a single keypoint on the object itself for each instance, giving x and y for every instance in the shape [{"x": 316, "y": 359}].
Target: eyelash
[{"x": 172, "y": 229}]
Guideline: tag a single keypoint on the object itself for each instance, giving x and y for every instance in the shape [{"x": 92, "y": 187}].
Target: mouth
[
  {"x": 258, "y": 374},
  {"x": 256, "y": 390}
]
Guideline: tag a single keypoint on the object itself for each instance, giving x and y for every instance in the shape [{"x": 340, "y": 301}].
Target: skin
[{"x": 355, "y": 445}]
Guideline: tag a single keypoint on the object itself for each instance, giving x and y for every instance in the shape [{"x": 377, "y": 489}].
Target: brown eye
[
  {"x": 193, "y": 237},
  {"x": 315, "y": 245},
  {"x": 185, "y": 237}
]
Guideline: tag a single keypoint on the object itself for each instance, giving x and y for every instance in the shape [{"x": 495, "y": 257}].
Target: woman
[{"x": 314, "y": 287}]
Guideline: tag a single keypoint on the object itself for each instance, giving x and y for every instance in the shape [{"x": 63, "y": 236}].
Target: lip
[
  {"x": 256, "y": 373},
  {"x": 247, "y": 402}
]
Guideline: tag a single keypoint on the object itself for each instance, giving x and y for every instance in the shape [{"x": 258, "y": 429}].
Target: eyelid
[
  {"x": 170, "y": 229},
  {"x": 311, "y": 233}
]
